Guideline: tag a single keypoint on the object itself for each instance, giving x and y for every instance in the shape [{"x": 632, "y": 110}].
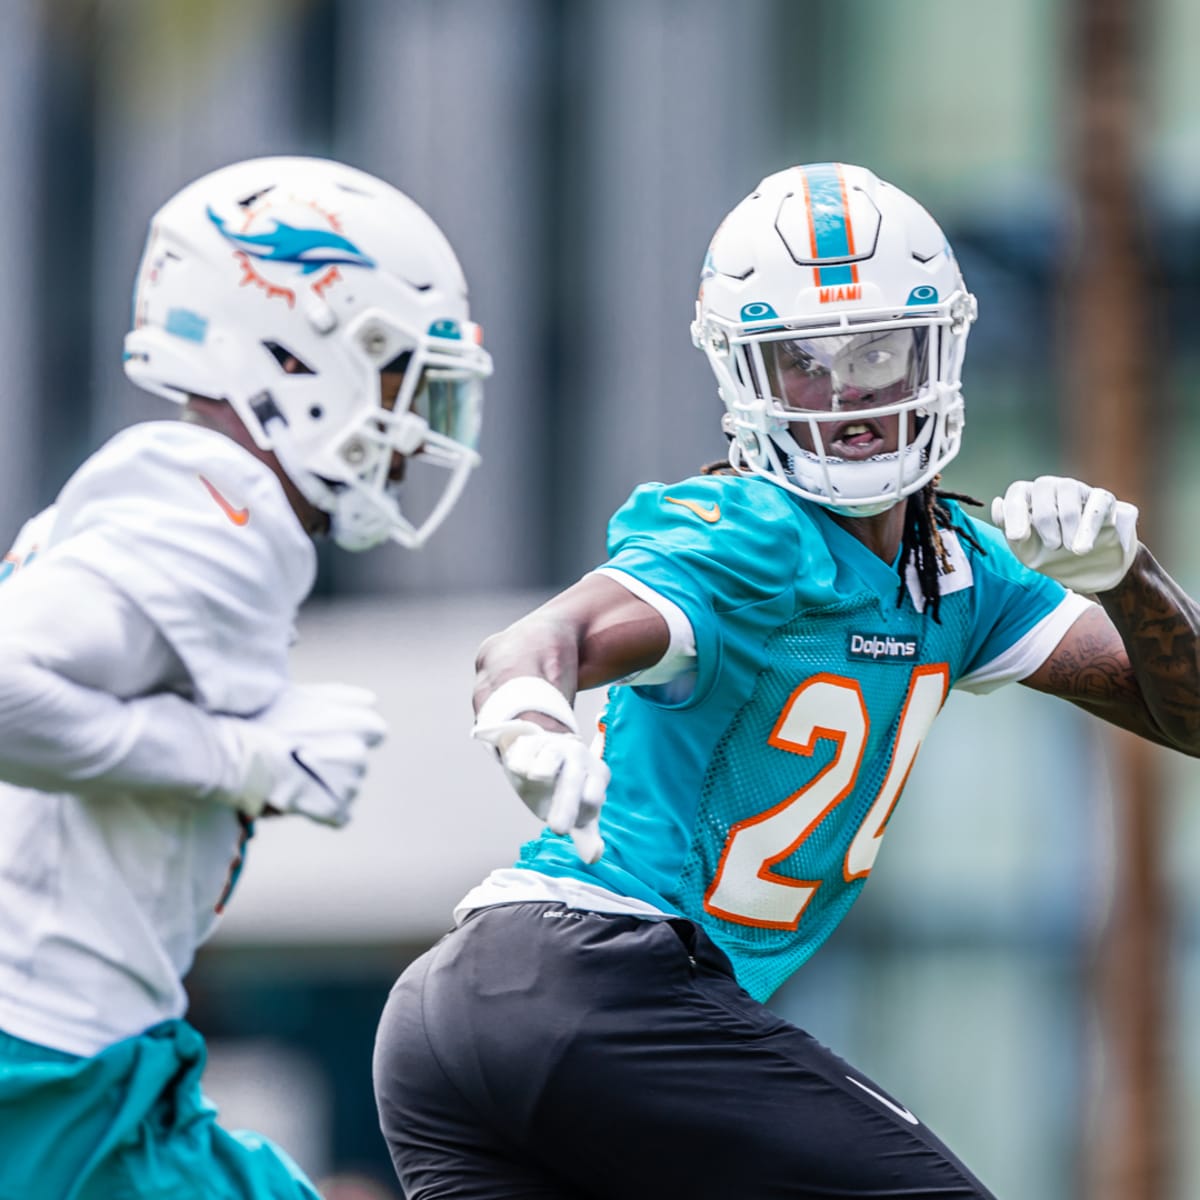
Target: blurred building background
[{"x": 579, "y": 154}]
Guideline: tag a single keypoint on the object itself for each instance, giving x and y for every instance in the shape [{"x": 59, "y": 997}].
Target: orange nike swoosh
[
  {"x": 712, "y": 514},
  {"x": 239, "y": 516}
]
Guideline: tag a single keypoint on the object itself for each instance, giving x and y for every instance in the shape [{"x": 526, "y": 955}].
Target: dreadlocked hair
[{"x": 926, "y": 516}]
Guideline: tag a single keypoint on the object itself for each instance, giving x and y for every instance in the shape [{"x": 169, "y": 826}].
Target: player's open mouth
[{"x": 857, "y": 440}]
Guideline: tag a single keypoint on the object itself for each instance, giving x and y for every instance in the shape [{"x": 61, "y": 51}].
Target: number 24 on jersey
[{"x": 745, "y": 889}]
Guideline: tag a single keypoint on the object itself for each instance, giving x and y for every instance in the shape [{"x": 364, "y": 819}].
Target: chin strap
[
  {"x": 358, "y": 522},
  {"x": 866, "y": 510}
]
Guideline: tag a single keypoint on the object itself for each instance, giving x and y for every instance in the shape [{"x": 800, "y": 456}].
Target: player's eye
[{"x": 797, "y": 360}]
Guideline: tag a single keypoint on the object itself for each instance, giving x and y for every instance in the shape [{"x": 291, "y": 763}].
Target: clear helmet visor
[
  {"x": 839, "y": 373},
  {"x": 450, "y": 401}
]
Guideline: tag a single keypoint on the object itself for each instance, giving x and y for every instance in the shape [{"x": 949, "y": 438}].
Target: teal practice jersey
[{"x": 752, "y": 797}]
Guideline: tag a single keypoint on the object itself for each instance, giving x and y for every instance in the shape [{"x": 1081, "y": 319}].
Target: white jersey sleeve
[
  {"x": 85, "y": 703},
  {"x": 198, "y": 533}
]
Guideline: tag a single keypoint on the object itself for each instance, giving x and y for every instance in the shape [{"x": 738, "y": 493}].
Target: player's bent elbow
[{"x": 19, "y": 675}]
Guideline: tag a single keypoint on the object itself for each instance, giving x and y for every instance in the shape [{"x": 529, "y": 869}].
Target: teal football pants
[{"x": 129, "y": 1123}]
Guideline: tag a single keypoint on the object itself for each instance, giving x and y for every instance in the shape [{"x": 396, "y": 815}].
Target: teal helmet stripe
[{"x": 829, "y": 222}]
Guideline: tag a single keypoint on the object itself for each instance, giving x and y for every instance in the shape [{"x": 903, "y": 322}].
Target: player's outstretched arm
[
  {"x": 526, "y": 680},
  {"x": 1135, "y": 660},
  {"x": 592, "y": 633}
]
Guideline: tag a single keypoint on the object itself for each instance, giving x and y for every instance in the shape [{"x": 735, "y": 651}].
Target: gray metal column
[
  {"x": 177, "y": 99},
  {"x": 674, "y": 118},
  {"x": 443, "y": 99},
  {"x": 20, "y": 56}
]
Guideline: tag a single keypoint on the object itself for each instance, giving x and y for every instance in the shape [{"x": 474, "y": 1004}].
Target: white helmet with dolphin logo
[{"x": 285, "y": 286}]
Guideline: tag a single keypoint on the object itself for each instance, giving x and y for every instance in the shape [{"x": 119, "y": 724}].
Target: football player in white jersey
[{"x": 312, "y": 322}]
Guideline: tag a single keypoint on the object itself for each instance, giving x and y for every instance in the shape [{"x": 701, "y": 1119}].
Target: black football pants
[{"x": 551, "y": 1054}]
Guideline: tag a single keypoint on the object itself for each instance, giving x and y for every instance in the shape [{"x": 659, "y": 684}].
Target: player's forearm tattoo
[{"x": 1160, "y": 626}]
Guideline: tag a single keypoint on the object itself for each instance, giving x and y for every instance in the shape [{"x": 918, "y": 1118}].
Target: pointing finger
[
  {"x": 1095, "y": 515},
  {"x": 1015, "y": 512},
  {"x": 565, "y": 805},
  {"x": 589, "y": 845},
  {"x": 1044, "y": 511}
]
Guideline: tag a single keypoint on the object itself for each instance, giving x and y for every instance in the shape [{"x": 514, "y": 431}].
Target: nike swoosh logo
[
  {"x": 239, "y": 516},
  {"x": 902, "y": 1113},
  {"x": 711, "y": 514},
  {"x": 311, "y": 773}
]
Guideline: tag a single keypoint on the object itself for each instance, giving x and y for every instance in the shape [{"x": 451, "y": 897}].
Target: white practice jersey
[{"x": 162, "y": 586}]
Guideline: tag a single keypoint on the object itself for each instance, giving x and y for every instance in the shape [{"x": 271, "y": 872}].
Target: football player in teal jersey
[{"x": 781, "y": 633}]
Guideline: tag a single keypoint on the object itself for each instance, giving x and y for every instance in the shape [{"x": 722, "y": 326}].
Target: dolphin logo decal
[{"x": 310, "y": 249}]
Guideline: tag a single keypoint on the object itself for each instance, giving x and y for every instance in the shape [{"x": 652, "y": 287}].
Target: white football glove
[
  {"x": 558, "y": 776},
  {"x": 1082, "y": 536},
  {"x": 307, "y": 752}
]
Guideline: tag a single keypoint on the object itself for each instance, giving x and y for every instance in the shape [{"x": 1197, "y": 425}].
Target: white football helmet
[
  {"x": 338, "y": 275},
  {"x": 834, "y": 316}
]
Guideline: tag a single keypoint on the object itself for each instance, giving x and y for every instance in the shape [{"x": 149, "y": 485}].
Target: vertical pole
[{"x": 1108, "y": 291}]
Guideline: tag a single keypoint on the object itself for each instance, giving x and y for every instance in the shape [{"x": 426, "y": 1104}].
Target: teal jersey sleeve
[
  {"x": 1008, "y": 597},
  {"x": 712, "y": 545}
]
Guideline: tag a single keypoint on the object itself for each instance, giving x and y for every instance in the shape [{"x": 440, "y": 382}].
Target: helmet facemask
[
  {"x": 353, "y": 472},
  {"x": 855, "y": 419}
]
